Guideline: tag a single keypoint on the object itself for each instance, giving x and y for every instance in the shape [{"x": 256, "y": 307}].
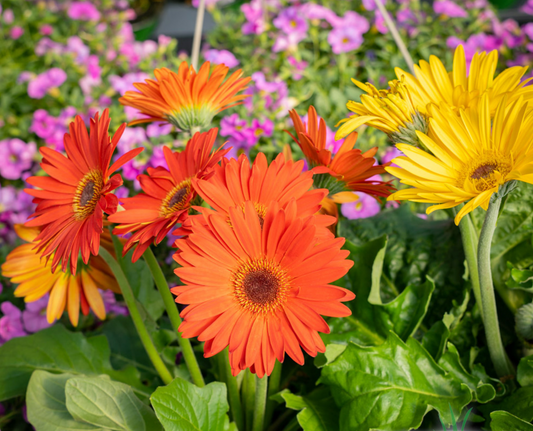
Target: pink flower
[
  {"x": 34, "y": 316},
  {"x": 8, "y": 16},
  {"x": 54, "y": 77},
  {"x": 46, "y": 30},
  {"x": 344, "y": 39},
  {"x": 16, "y": 156},
  {"x": 290, "y": 21},
  {"x": 121, "y": 84},
  {"x": 449, "y": 8},
  {"x": 83, "y": 11},
  {"x": 390, "y": 154},
  {"x": 288, "y": 42},
  {"x": 253, "y": 13},
  {"x": 299, "y": 67},
  {"x": 16, "y": 32},
  {"x": 163, "y": 40},
  {"x": 223, "y": 56},
  {"x": 380, "y": 23},
  {"x": 10, "y": 323},
  {"x": 314, "y": 11},
  {"x": 154, "y": 130},
  {"x": 365, "y": 206},
  {"x": 76, "y": 46}
]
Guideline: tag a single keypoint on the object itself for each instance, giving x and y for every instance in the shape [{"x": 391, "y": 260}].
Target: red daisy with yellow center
[
  {"x": 261, "y": 290},
  {"x": 187, "y": 99},
  {"x": 349, "y": 170},
  {"x": 167, "y": 193},
  {"x": 71, "y": 201}
]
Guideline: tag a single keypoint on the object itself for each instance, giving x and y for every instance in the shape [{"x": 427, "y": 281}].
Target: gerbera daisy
[
  {"x": 403, "y": 109},
  {"x": 186, "y": 99},
  {"x": 260, "y": 290},
  {"x": 235, "y": 182},
  {"x": 350, "y": 169},
  {"x": 472, "y": 156},
  {"x": 71, "y": 202},
  {"x": 35, "y": 279},
  {"x": 167, "y": 193}
]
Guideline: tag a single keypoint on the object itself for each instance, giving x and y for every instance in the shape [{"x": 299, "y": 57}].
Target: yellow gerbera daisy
[
  {"x": 471, "y": 158},
  {"x": 35, "y": 278}
]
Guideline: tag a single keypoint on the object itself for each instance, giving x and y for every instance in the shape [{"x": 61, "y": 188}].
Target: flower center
[
  {"x": 261, "y": 286},
  {"x": 488, "y": 172},
  {"x": 177, "y": 199},
  {"x": 87, "y": 195}
]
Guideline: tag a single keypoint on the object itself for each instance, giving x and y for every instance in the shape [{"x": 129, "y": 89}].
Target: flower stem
[
  {"x": 197, "y": 39},
  {"x": 233, "y": 390},
  {"x": 248, "y": 396},
  {"x": 396, "y": 36},
  {"x": 261, "y": 387},
  {"x": 501, "y": 364},
  {"x": 470, "y": 243},
  {"x": 175, "y": 319},
  {"x": 273, "y": 388},
  {"x": 144, "y": 335}
]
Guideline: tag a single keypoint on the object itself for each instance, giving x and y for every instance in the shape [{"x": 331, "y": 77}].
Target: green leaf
[
  {"x": 182, "y": 406},
  {"x": 519, "y": 404},
  {"x": 434, "y": 340},
  {"x": 318, "y": 411},
  {"x": 391, "y": 386},
  {"x": 107, "y": 404},
  {"x": 45, "y": 402},
  {"x": 451, "y": 362},
  {"x": 505, "y": 421},
  {"x": 525, "y": 371},
  {"x": 54, "y": 349}
]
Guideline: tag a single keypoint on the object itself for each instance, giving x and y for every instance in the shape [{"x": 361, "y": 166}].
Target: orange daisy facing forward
[
  {"x": 350, "y": 170},
  {"x": 72, "y": 200},
  {"x": 35, "y": 279},
  {"x": 167, "y": 193},
  {"x": 187, "y": 99},
  {"x": 260, "y": 290}
]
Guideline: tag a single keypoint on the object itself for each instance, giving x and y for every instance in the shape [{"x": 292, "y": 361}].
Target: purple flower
[
  {"x": 16, "y": 32},
  {"x": 233, "y": 126},
  {"x": 253, "y": 13},
  {"x": 1, "y": 288},
  {"x": 314, "y": 11},
  {"x": 380, "y": 23},
  {"x": 365, "y": 206},
  {"x": 154, "y": 130},
  {"x": 25, "y": 77},
  {"x": 111, "y": 305},
  {"x": 46, "y": 30},
  {"x": 288, "y": 42},
  {"x": 221, "y": 57},
  {"x": 43, "y": 124},
  {"x": 125, "y": 83},
  {"x": 16, "y": 157},
  {"x": 259, "y": 129},
  {"x": 93, "y": 66},
  {"x": 344, "y": 39},
  {"x": 299, "y": 67},
  {"x": 528, "y": 7},
  {"x": 10, "y": 323},
  {"x": 87, "y": 83},
  {"x": 528, "y": 30},
  {"x": 158, "y": 158},
  {"x": 34, "y": 316},
  {"x": 76, "y": 46},
  {"x": 353, "y": 19},
  {"x": 8, "y": 16},
  {"x": 2, "y": 410},
  {"x": 449, "y": 8},
  {"x": 54, "y": 77},
  {"x": 83, "y": 11},
  {"x": 46, "y": 45},
  {"x": 290, "y": 20},
  {"x": 390, "y": 154},
  {"x": 163, "y": 40}
]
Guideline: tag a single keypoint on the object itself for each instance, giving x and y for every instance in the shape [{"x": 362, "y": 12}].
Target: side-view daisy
[
  {"x": 71, "y": 201},
  {"x": 260, "y": 290}
]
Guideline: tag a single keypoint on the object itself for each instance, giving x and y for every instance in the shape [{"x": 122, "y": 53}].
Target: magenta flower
[
  {"x": 158, "y": 157},
  {"x": 259, "y": 129},
  {"x": 25, "y": 77},
  {"x": 83, "y": 11},
  {"x": 16, "y": 32},
  {"x": 76, "y": 47},
  {"x": 344, "y": 39},
  {"x": 10, "y": 323},
  {"x": 380, "y": 23},
  {"x": 528, "y": 7},
  {"x": 16, "y": 157},
  {"x": 155, "y": 130},
  {"x": 163, "y": 40},
  {"x": 222, "y": 56},
  {"x": 449, "y": 8},
  {"x": 288, "y": 42},
  {"x": 314, "y": 11},
  {"x": 253, "y": 12},
  {"x": 34, "y": 316},
  {"x": 46, "y": 30},
  {"x": 528, "y": 30},
  {"x": 299, "y": 67},
  {"x": 121, "y": 84},
  {"x": 290, "y": 20},
  {"x": 52, "y": 78},
  {"x": 46, "y": 45},
  {"x": 8, "y": 16},
  {"x": 110, "y": 303},
  {"x": 233, "y": 126},
  {"x": 390, "y": 154},
  {"x": 365, "y": 206}
]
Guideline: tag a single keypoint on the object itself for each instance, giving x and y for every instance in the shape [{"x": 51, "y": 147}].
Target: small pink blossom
[
  {"x": 16, "y": 32},
  {"x": 83, "y": 11},
  {"x": 365, "y": 206},
  {"x": 449, "y": 8},
  {"x": 46, "y": 30}
]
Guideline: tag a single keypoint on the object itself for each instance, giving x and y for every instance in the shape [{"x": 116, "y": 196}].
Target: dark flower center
[
  {"x": 178, "y": 197},
  {"x": 261, "y": 286},
  {"x": 87, "y": 193},
  {"x": 484, "y": 171}
]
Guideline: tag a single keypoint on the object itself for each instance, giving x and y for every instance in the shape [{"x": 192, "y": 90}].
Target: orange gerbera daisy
[
  {"x": 260, "y": 290},
  {"x": 186, "y": 99},
  {"x": 235, "y": 182},
  {"x": 73, "y": 199},
  {"x": 350, "y": 169},
  {"x": 167, "y": 193},
  {"x": 35, "y": 279}
]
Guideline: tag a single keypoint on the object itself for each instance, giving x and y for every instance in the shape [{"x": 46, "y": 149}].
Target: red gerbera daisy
[
  {"x": 167, "y": 193},
  {"x": 71, "y": 202},
  {"x": 260, "y": 290},
  {"x": 350, "y": 169}
]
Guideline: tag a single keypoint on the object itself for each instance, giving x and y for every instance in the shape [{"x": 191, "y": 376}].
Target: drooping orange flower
[
  {"x": 349, "y": 170},
  {"x": 35, "y": 279},
  {"x": 235, "y": 182},
  {"x": 167, "y": 193},
  {"x": 71, "y": 202},
  {"x": 187, "y": 99},
  {"x": 260, "y": 290}
]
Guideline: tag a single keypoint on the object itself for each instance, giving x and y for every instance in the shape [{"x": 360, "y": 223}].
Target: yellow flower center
[
  {"x": 261, "y": 286},
  {"x": 87, "y": 195},
  {"x": 488, "y": 171},
  {"x": 177, "y": 199}
]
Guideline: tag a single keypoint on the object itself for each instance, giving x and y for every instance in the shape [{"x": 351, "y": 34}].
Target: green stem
[
  {"x": 492, "y": 329},
  {"x": 248, "y": 396},
  {"x": 273, "y": 388},
  {"x": 144, "y": 335},
  {"x": 174, "y": 316},
  {"x": 233, "y": 390},
  {"x": 470, "y": 243},
  {"x": 261, "y": 387},
  {"x": 293, "y": 425}
]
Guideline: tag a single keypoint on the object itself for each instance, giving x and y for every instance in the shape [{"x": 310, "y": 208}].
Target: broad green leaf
[
  {"x": 182, "y": 406},
  {"x": 521, "y": 279},
  {"x": 519, "y": 404},
  {"x": 45, "y": 402},
  {"x": 434, "y": 340},
  {"x": 525, "y": 371},
  {"x": 391, "y": 386},
  {"x": 332, "y": 352},
  {"x": 318, "y": 411},
  {"x": 107, "y": 404},
  {"x": 451, "y": 362},
  {"x": 505, "y": 421}
]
